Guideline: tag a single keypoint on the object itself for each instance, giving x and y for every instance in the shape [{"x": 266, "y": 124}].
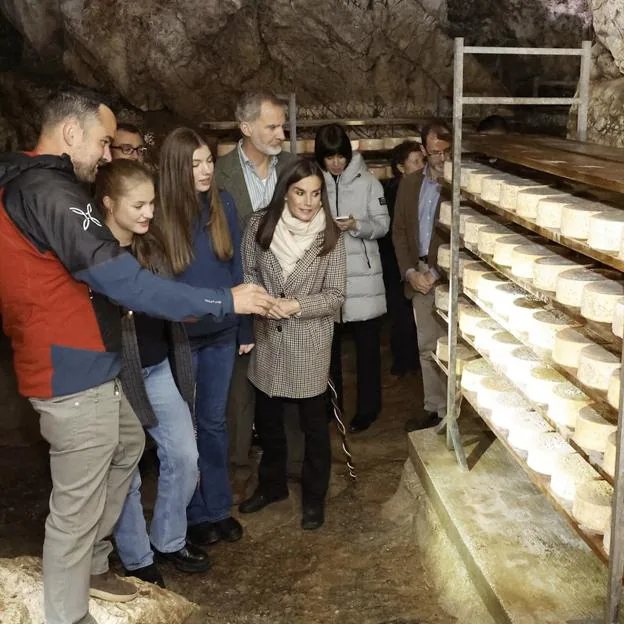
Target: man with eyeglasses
[
  {"x": 416, "y": 243},
  {"x": 128, "y": 143}
]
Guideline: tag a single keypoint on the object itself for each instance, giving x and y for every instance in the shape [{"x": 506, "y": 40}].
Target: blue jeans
[
  {"x": 212, "y": 500},
  {"x": 177, "y": 452}
]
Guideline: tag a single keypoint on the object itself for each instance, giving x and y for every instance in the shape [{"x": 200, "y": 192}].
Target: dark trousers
[
  {"x": 403, "y": 338},
  {"x": 317, "y": 450},
  {"x": 367, "y": 335}
]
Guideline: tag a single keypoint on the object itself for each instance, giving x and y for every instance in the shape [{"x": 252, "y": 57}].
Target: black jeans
[
  {"x": 317, "y": 453},
  {"x": 367, "y": 335}
]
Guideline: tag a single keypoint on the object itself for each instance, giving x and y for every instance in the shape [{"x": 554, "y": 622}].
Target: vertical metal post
[
  {"x": 616, "y": 550},
  {"x": 292, "y": 121},
  {"x": 583, "y": 105},
  {"x": 452, "y": 431}
]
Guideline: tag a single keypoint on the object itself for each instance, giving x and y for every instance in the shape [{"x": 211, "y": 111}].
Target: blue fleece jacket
[{"x": 208, "y": 271}]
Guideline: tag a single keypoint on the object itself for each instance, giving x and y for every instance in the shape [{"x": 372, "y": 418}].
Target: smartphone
[{"x": 341, "y": 218}]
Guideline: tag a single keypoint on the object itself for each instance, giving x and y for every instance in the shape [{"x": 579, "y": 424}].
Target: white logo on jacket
[{"x": 88, "y": 217}]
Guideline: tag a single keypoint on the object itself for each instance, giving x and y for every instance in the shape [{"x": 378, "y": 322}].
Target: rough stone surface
[{"x": 22, "y": 594}]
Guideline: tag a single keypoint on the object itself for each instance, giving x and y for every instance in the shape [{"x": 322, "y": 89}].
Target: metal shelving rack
[{"x": 616, "y": 553}]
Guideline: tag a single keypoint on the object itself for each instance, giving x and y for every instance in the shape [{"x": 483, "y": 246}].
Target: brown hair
[
  {"x": 114, "y": 180},
  {"x": 297, "y": 170},
  {"x": 179, "y": 206}
]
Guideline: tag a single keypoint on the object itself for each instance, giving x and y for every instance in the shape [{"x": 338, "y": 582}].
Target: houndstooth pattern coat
[{"x": 291, "y": 357}]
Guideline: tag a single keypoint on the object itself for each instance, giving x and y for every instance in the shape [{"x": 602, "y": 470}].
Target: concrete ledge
[
  {"x": 527, "y": 564},
  {"x": 21, "y": 598}
]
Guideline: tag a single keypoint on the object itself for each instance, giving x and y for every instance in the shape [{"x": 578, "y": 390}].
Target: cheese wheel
[
  {"x": 448, "y": 170},
  {"x": 547, "y": 448},
  {"x": 521, "y": 311},
  {"x": 524, "y": 257},
  {"x": 472, "y": 273},
  {"x": 225, "y": 148},
  {"x": 492, "y": 389},
  {"x": 546, "y": 271},
  {"x": 575, "y": 219},
  {"x": 446, "y": 209},
  {"x": 544, "y": 325},
  {"x": 469, "y": 316},
  {"x": 549, "y": 210},
  {"x": 606, "y": 231},
  {"x": 510, "y": 190},
  {"x": 596, "y": 365},
  {"x": 476, "y": 177},
  {"x": 371, "y": 144},
  {"x": 507, "y": 408},
  {"x": 599, "y": 300},
  {"x": 528, "y": 200},
  {"x": 501, "y": 345},
  {"x": 524, "y": 431},
  {"x": 613, "y": 392},
  {"x": 541, "y": 384},
  {"x": 355, "y": 145},
  {"x": 391, "y": 142},
  {"x": 465, "y": 168},
  {"x": 592, "y": 505},
  {"x": 441, "y": 297},
  {"x": 444, "y": 256},
  {"x": 487, "y": 284},
  {"x": 571, "y": 283},
  {"x": 608, "y": 463},
  {"x": 504, "y": 246},
  {"x": 617, "y": 324},
  {"x": 570, "y": 471},
  {"x": 474, "y": 372},
  {"x": 568, "y": 346},
  {"x": 503, "y": 297},
  {"x": 565, "y": 403},
  {"x": 491, "y": 187},
  {"x": 442, "y": 349},
  {"x": 520, "y": 363},
  {"x": 592, "y": 429},
  {"x": 484, "y": 330},
  {"x": 472, "y": 227},
  {"x": 487, "y": 237},
  {"x": 464, "y": 216}
]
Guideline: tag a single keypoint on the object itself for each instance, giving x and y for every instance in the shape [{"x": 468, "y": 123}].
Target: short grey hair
[
  {"x": 248, "y": 107},
  {"x": 81, "y": 104}
]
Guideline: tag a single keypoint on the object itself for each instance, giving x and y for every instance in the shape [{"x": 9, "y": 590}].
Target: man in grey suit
[{"x": 249, "y": 173}]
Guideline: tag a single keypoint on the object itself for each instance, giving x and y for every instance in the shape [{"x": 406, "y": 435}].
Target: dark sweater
[{"x": 206, "y": 269}]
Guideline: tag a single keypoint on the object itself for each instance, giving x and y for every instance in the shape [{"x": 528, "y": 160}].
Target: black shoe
[
  {"x": 312, "y": 518},
  {"x": 203, "y": 534},
  {"x": 361, "y": 422},
  {"x": 229, "y": 529},
  {"x": 423, "y": 421},
  {"x": 149, "y": 573},
  {"x": 187, "y": 559},
  {"x": 258, "y": 501}
]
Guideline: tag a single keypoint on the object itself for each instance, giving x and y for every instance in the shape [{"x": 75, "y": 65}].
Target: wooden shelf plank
[{"x": 522, "y": 150}]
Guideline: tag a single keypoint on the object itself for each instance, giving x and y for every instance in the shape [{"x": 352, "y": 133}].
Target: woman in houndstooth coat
[{"x": 294, "y": 249}]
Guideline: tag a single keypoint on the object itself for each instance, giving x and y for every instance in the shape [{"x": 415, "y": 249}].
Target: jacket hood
[
  {"x": 355, "y": 168},
  {"x": 12, "y": 165}
]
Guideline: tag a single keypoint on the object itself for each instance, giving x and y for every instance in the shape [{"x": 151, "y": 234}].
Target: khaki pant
[
  {"x": 241, "y": 413},
  {"x": 96, "y": 442},
  {"x": 429, "y": 327}
]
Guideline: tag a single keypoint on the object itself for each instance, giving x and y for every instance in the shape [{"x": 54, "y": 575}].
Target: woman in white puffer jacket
[{"x": 358, "y": 205}]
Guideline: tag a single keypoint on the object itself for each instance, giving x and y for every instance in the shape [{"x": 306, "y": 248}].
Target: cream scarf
[{"x": 292, "y": 238}]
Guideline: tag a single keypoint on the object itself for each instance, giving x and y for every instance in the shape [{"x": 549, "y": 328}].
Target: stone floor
[{"x": 360, "y": 567}]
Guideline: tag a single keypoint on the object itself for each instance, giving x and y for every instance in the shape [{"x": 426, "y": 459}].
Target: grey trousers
[
  {"x": 241, "y": 413},
  {"x": 429, "y": 327},
  {"x": 96, "y": 442}
]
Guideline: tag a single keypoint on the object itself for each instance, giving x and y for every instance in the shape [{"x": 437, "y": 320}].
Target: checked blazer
[{"x": 291, "y": 357}]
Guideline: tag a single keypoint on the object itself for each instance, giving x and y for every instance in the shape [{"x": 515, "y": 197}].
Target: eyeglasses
[
  {"x": 438, "y": 153},
  {"x": 127, "y": 149}
]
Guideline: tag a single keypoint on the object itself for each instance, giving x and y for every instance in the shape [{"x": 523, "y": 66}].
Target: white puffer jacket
[{"x": 357, "y": 192}]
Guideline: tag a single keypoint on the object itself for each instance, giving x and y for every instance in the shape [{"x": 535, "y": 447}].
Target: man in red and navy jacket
[{"x": 63, "y": 277}]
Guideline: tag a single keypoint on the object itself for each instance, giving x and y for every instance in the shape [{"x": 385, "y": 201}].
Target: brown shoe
[{"x": 110, "y": 587}]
